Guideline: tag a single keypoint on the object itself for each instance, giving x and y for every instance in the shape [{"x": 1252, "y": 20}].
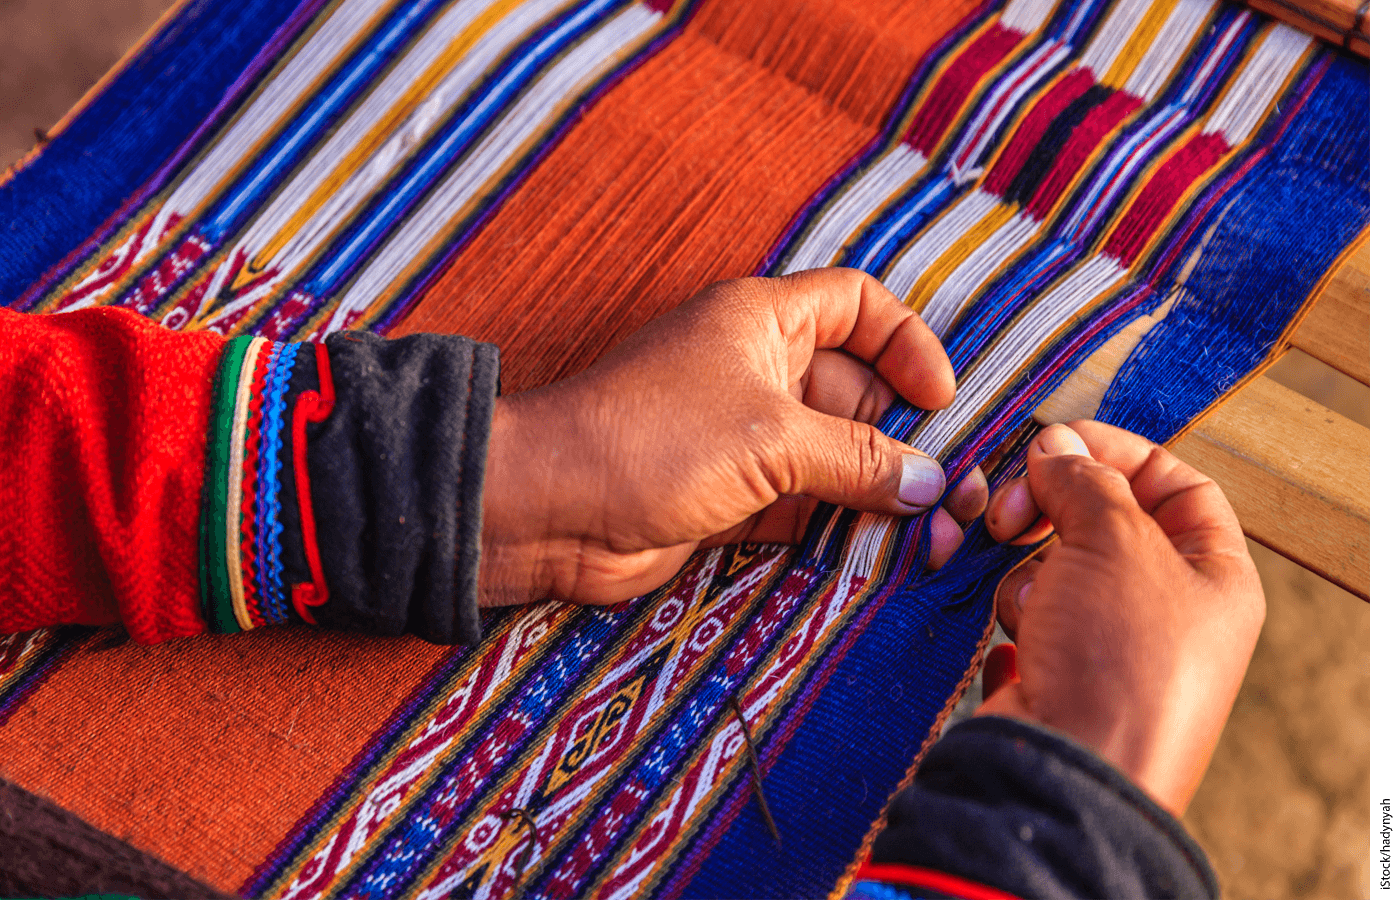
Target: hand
[
  {"x": 1133, "y": 635},
  {"x": 725, "y": 420}
]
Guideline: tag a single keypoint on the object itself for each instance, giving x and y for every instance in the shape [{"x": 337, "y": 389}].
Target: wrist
[
  {"x": 531, "y": 499},
  {"x": 1165, "y": 766}
]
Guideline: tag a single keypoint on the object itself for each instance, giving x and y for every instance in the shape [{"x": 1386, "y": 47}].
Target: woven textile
[{"x": 1031, "y": 176}]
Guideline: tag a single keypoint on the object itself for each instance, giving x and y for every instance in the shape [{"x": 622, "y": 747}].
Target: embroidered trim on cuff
[{"x": 241, "y": 567}]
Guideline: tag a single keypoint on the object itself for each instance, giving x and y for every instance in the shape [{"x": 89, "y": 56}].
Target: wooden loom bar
[
  {"x": 1297, "y": 473},
  {"x": 1338, "y": 330},
  {"x": 1346, "y": 23}
]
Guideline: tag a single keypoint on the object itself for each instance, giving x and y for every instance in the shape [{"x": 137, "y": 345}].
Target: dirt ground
[{"x": 1283, "y": 811}]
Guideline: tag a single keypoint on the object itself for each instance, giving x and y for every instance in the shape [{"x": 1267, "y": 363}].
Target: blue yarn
[
  {"x": 270, "y": 483},
  {"x": 1282, "y": 227},
  {"x": 874, "y": 890}
]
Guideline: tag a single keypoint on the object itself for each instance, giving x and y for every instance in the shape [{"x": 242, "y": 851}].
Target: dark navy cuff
[{"x": 1025, "y": 810}]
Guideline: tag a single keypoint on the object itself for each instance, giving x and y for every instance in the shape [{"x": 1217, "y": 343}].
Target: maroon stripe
[
  {"x": 1081, "y": 144},
  {"x": 1161, "y": 195},
  {"x": 1070, "y": 88},
  {"x": 955, "y": 85}
]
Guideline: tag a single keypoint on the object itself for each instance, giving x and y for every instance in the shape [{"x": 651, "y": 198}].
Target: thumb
[
  {"x": 853, "y": 464},
  {"x": 1090, "y": 504}
]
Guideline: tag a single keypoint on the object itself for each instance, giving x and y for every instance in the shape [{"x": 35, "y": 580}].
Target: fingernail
[
  {"x": 921, "y": 483},
  {"x": 1061, "y": 440},
  {"x": 1022, "y": 594},
  {"x": 1015, "y": 504}
]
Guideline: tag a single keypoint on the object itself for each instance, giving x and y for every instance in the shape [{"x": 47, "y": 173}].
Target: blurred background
[{"x": 1283, "y": 811}]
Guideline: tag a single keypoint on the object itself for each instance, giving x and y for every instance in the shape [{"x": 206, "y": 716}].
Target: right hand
[{"x": 1134, "y": 632}]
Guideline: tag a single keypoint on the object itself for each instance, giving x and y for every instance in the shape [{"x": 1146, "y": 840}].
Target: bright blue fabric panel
[{"x": 1283, "y": 226}]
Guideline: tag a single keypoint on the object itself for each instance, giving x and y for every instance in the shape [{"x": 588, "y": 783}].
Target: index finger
[
  {"x": 1188, "y": 506},
  {"x": 849, "y": 309}
]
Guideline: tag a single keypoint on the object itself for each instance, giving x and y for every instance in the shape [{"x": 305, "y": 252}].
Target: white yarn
[
  {"x": 1113, "y": 35},
  {"x": 1178, "y": 33},
  {"x": 551, "y": 93},
  {"x": 952, "y": 295},
  {"x": 1023, "y": 340},
  {"x": 1026, "y": 16},
  {"x": 872, "y": 190},
  {"x": 1257, "y": 83},
  {"x": 956, "y": 221}
]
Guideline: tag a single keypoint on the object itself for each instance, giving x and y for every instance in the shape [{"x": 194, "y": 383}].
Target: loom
[{"x": 1035, "y": 177}]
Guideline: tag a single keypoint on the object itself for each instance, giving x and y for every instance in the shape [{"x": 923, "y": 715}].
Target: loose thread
[
  {"x": 757, "y": 772},
  {"x": 533, "y": 839}
]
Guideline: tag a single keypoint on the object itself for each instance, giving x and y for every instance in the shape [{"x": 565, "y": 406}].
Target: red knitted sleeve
[{"x": 104, "y": 418}]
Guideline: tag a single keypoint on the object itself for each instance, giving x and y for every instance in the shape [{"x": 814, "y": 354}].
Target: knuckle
[{"x": 866, "y": 466}]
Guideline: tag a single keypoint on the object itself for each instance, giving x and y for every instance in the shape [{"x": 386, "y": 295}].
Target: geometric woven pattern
[{"x": 1031, "y": 176}]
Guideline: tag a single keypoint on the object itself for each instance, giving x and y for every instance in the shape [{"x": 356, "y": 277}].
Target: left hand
[{"x": 727, "y": 419}]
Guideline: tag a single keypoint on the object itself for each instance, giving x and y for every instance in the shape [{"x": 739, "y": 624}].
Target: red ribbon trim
[{"x": 311, "y": 406}]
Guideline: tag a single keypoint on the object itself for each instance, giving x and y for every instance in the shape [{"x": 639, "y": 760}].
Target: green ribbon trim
[{"x": 216, "y": 596}]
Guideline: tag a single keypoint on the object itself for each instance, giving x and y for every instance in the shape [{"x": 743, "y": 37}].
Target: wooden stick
[{"x": 1346, "y": 23}]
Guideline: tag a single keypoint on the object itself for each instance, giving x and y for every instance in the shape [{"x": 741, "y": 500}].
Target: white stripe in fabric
[
  {"x": 548, "y": 97},
  {"x": 1022, "y": 341},
  {"x": 1217, "y": 53},
  {"x": 1026, "y": 16},
  {"x": 933, "y": 243},
  {"x": 1257, "y": 83},
  {"x": 1113, "y": 35},
  {"x": 931, "y": 190},
  {"x": 303, "y": 72},
  {"x": 1178, "y": 33},
  {"x": 952, "y": 295},
  {"x": 872, "y": 190},
  {"x": 867, "y": 536},
  {"x": 404, "y": 140}
]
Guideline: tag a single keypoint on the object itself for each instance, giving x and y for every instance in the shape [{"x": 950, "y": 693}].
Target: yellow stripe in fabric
[
  {"x": 233, "y": 519},
  {"x": 954, "y": 256},
  {"x": 1137, "y": 45},
  {"x": 376, "y": 137},
  {"x": 294, "y": 108}
]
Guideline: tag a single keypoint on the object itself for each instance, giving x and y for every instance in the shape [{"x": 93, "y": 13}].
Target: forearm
[
  {"x": 1001, "y": 804},
  {"x": 153, "y": 477}
]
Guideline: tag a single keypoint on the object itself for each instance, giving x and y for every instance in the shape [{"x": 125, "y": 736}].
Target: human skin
[
  {"x": 730, "y": 417},
  {"x": 726, "y": 419},
  {"x": 1134, "y": 629}
]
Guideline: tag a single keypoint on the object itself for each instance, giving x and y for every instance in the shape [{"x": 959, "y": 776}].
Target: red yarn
[
  {"x": 1033, "y": 126},
  {"x": 104, "y": 418},
  {"x": 956, "y": 84},
  {"x": 1083, "y": 141},
  {"x": 942, "y": 882},
  {"x": 310, "y": 407},
  {"x": 1162, "y": 194}
]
